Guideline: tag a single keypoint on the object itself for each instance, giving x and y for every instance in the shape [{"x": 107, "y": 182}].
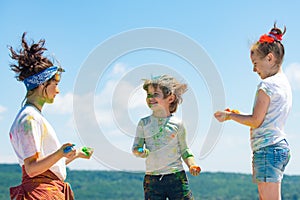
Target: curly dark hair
[{"x": 30, "y": 59}]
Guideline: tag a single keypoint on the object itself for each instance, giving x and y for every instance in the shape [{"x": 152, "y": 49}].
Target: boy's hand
[
  {"x": 195, "y": 170},
  {"x": 141, "y": 152}
]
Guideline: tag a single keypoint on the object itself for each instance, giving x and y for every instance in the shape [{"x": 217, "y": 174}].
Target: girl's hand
[
  {"x": 222, "y": 116},
  {"x": 195, "y": 170}
]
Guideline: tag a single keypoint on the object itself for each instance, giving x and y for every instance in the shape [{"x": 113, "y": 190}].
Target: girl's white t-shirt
[
  {"x": 32, "y": 133},
  {"x": 271, "y": 131}
]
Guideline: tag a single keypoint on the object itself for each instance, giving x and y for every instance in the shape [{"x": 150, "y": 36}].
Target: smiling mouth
[{"x": 152, "y": 104}]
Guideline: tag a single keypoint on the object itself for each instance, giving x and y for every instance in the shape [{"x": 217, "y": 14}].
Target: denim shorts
[
  {"x": 172, "y": 186},
  {"x": 268, "y": 163}
]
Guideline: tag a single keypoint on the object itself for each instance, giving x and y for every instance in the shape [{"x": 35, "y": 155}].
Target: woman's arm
[{"x": 34, "y": 165}]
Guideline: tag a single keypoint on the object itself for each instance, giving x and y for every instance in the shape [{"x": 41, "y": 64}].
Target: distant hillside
[{"x": 115, "y": 185}]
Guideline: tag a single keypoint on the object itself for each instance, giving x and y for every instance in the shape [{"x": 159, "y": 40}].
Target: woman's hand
[
  {"x": 67, "y": 150},
  {"x": 85, "y": 152}
]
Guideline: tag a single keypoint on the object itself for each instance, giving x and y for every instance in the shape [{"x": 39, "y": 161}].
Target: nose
[
  {"x": 57, "y": 90},
  {"x": 254, "y": 69}
]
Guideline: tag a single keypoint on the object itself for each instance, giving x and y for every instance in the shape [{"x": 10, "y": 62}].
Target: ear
[
  {"x": 270, "y": 57},
  {"x": 41, "y": 85},
  {"x": 171, "y": 98}
]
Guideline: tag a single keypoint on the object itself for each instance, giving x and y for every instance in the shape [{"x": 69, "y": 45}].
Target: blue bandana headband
[{"x": 35, "y": 80}]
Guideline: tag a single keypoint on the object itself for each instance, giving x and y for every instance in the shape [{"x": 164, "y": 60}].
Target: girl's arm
[
  {"x": 255, "y": 119},
  {"x": 34, "y": 165}
]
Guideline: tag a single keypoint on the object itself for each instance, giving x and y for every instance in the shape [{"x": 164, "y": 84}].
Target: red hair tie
[
  {"x": 275, "y": 35},
  {"x": 271, "y": 37},
  {"x": 266, "y": 38}
]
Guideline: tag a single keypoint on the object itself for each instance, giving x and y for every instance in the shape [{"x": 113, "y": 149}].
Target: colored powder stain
[
  {"x": 157, "y": 136},
  {"x": 160, "y": 129},
  {"x": 29, "y": 117},
  {"x": 197, "y": 168},
  {"x": 232, "y": 111},
  {"x": 27, "y": 126},
  {"x": 44, "y": 132},
  {"x": 141, "y": 150},
  {"x": 10, "y": 136},
  {"x": 227, "y": 109}
]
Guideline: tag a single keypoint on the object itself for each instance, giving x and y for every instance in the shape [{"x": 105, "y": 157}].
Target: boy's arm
[
  {"x": 186, "y": 153},
  {"x": 193, "y": 167},
  {"x": 139, "y": 141}
]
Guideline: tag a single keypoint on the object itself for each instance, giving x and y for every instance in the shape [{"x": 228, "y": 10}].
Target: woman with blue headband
[{"x": 42, "y": 157}]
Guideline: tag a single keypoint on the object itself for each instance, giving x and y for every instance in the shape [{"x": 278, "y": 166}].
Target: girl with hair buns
[
  {"x": 39, "y": 152},
  {"x": 272, "y": 105},
  {"x": 161, "y": 139}
]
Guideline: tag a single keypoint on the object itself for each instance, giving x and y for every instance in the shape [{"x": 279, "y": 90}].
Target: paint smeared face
[
  {"x": 155, "y": 99},
  {"x": 51, "y": 91}
]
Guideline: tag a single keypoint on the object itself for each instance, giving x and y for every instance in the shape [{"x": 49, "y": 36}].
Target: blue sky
[{"x": 74, "y": 30}]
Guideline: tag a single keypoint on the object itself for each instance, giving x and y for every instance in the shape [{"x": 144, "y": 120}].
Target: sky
[{"x": 108, "y": 47}]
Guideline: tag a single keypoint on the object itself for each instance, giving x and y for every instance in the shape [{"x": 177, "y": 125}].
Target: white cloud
[
  {"x": 112, "y": 103},
  {"x": 103, "y": 100},
  {"x": 293, "y": 73},
  {"x": 2, "y": 110},
  {"x": 119, "y": 68},
  {"x": 63, "y": 104},
  {"x": 137, "y": 98}
]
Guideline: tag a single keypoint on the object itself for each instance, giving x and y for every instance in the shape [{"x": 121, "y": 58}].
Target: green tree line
[{"x": 117, "y": 185}]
